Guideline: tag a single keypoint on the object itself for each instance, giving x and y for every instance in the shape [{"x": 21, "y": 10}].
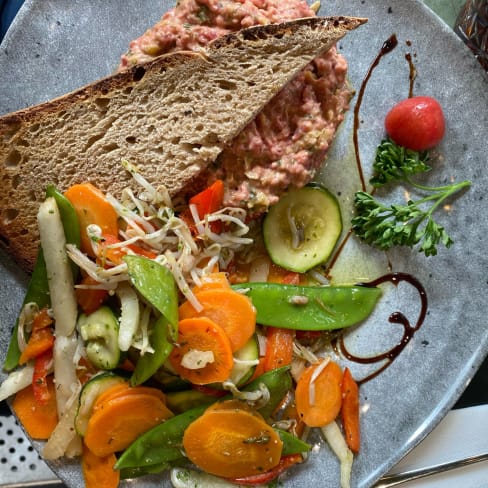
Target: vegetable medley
[
  {"x": 154, "y": 334},
  {"x": 188, "y": 336}
]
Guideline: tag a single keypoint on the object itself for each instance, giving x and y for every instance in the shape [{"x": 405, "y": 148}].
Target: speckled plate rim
[{"x": 446, "y": 69}]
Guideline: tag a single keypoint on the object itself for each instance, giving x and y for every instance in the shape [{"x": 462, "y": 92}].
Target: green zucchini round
[{"x": 302, "y": 229}]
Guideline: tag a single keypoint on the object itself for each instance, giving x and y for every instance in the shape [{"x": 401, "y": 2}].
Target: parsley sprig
[{"x": 385, "y": 226}]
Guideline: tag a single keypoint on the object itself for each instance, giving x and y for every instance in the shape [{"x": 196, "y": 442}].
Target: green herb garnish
[
  {"x": 394, "y": 162},
  {"x": 410, "y": 224}
]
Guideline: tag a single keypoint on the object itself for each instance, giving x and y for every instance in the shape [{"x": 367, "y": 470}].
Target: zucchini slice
[
  {"x": 89, "y": 394},
  {"x": 302, "y": 229},
  {"x": 245, "y": 362},
  {"x": 100, "y": 332}
]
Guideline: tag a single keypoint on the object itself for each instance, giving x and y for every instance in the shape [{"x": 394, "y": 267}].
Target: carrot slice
[
  {"x": 92, "y": 207},
  {"x": 99, "y": 472},
  {"x": 350, "y": 411},
  {"x": 123, "y": 389},
  {"x": 279, "y": 348},
  {"x": 118, "y": 422},
  {"x": 213, "y": 281},
  {"x": 112, "y": 392},
  {"x": 38, "y": 419},
  {"x": 205, "y": 340},
  {"x": 233, "y": 311},
  {"x": 318, "y": 394},
  {"x": 41, "y": 339},
  {"x": 231, "y": 441}
]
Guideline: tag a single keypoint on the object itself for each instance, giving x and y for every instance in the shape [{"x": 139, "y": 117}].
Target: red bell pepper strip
[
  {"x": 209, "y": 201},
  {"x": 208, "y": 390},
  {"x": 350, "y": 411},
  {"x": 42, "y": 364},
  {"x": 260, "y": 479},
  {"x": 279, "y": 348},
  {"x": 308, "y": 335}
]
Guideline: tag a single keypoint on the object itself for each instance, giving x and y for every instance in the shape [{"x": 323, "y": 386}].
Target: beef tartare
[{"x": 288, "y": 141}]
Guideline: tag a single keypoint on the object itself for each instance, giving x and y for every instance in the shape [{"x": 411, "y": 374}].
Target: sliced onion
[
  {"x": 65, "y": 377},
  {"x": 58, "y": 269},
  {"x": 315, "y": 375},
  {"x": 191, "y": 478},
  {"x": 16, "y": 381},
  {"x": 195, "y": 359},
  {"x": 337, "y": 443},
  {"x": 129, "y": 315},
  {"x": 64, "y": 434},
  {"x": 29, "y": 311}
]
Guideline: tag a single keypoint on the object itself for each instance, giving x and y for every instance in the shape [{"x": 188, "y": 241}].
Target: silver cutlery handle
[{"x": 397, "y": 479}]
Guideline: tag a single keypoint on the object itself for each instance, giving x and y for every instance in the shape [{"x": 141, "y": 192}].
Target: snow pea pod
[
  {"x": 148, "y": 364},
  {"x": 38, "y": 288},
  {"x": 37, "y": 292},
  {"x": 163, "y": 443},
  {"x": 292, "y": 444},
  {"x": 129, "y": 473},
  {"x": 278, "y": 381},
  {"x": 156, "y": 283},
  {"x": 310, "y": 307}
]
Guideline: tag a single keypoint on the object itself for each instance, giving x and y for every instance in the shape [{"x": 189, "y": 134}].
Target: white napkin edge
[{"x": 462, "y": 433}]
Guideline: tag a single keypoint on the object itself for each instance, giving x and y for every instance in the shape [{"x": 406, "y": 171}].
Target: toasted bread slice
[{"x": 171, "y": 117}]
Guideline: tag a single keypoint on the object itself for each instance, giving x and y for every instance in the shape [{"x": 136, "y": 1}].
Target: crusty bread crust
[{"x": 171, "y": 117}]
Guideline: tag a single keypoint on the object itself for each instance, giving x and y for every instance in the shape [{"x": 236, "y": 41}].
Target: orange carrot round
[
  {"x": 350, "y": 411},
  {"x": 119, "y": 421},
  {"x": 99, "y": 472},
  {"x": 319, "y": 396},
  {"x": 213, "y": 281},
  {"x": 233, "y": 311},
  {"x": 231, "y": 441},
  {"x": 112, "y": 392},
  {"x": 92, "y": 207},
  {"x": 200, "y": 336},
  {"x": 38, "y": 419},
  {"x": 123, "y": 389}
]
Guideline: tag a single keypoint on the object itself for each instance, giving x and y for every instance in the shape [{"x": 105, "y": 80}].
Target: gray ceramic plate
[{"x": 57, "y": 45}]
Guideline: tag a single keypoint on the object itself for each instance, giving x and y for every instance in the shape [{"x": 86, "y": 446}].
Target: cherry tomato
[{"x": 416, "y": 123}]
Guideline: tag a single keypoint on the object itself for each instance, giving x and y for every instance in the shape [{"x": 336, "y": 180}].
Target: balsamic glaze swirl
[{"x": 395, "y": 318}]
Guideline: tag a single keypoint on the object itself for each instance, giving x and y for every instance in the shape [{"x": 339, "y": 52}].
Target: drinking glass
[{"x": 472, "y": 26}]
